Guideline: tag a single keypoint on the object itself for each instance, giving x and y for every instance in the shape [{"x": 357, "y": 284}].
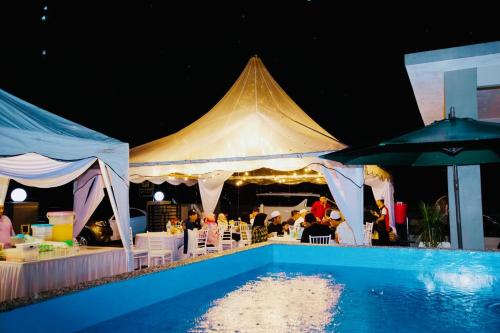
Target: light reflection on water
[
  {"x": 339, "y": 299},
  {"x": 276, "y": 303}
]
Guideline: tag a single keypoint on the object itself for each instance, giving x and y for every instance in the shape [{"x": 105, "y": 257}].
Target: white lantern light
[
  {"x": 18, "y": 195},
  {"x": 159, "y": 196}
]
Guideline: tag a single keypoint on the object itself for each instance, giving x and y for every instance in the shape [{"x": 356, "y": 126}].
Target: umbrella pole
[{"x": 457, "y": 206}]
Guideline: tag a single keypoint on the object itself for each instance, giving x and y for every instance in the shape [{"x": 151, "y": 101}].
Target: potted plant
[{"x": 431, "y": 226}]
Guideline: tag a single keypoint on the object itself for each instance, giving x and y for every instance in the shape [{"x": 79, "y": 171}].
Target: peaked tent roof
[
  {"x": 256, "y": 124},
  {"x": 26, "y": 128}
]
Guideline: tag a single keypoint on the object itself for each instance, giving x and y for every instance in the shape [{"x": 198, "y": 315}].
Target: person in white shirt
[
  {"x": 344, "y": 234},
  {"x": 300, "y": 220}
]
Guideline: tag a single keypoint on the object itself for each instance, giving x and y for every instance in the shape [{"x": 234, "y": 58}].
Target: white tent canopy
[
  {"x": 44, "y": 150},
  {"x": 255, "y": 125}
]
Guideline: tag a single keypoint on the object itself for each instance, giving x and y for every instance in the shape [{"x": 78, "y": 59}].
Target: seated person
[
  {"x": 192, "y": 222},
  {"x": 275, "y": 225},
  {"x": 253, "y": 214},
  {"x": 259, "y": 230},
  {"x": 335, "y": 220},
  {"x": 299, "y": 221},
  {"x": 326, "y": 219},
  {"x": 294, "y": 216},
  {"x": 286, "y": 229},
  {"x": 392, "y": 236},
  {"x": 313, "y": 228},
  {"x": 6, "y": 229},
  {"x": 174, "y": 221},
  {"x": 344, "y": 234},
  {"x": 213, "y": 230}
]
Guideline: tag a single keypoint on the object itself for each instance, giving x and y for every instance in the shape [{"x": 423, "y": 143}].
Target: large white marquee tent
[
  {"x": 41, "y": 149},
  {"x": 256, "y": 125}
]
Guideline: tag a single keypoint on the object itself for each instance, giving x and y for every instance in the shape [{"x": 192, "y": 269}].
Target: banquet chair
[
  {"x": 200, "y": 246},
  {"x": 137, "y": 254},
  {"x": 157, "y": 250},
  {"x": 225, "y": 239},
  {"x": 325, "y": 240},
  {"x": 368, "y": 228},
  {"x": 244, "y": 233}
]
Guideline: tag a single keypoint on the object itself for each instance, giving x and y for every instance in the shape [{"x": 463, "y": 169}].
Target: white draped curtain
[
  {"x": 346, "y": 186},
  {"x": 118, "y": 190},
  {"x": 211, "y": 187},
  {"x": 88, "y": 193},
  {"x": 39, "y": 171}
]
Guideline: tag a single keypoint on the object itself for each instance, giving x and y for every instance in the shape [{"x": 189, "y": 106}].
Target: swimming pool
[{"x": 284, "y": 288}]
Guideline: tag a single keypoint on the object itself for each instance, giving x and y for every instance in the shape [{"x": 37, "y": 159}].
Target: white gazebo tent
[
  {"x": 41, "y": 149},
  {"x": 255, "y": 125}
]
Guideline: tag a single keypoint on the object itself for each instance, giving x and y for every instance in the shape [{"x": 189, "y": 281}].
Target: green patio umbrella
[{"x": 449, "y": 142}]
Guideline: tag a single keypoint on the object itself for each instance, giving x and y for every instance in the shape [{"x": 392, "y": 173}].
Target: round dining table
[{"x": 171, "y": 242}]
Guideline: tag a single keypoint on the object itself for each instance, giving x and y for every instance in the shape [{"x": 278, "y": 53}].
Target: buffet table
[
  {"x": 22, "y": 279},
  {"x": 171, "y": 242}
]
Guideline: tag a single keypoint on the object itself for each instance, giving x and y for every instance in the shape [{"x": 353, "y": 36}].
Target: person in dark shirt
[
  {"x": 275, "y": 225},
  {"x": 190, "y": 223},
  {"x": 313, "y": 228},
  {"x": 259, "y": 230}
]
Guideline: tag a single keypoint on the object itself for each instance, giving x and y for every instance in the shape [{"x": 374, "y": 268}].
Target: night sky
[{"x": 140, "y": 70}]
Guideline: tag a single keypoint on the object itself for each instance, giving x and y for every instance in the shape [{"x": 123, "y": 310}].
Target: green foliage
[{"x": 431, "y": 226}]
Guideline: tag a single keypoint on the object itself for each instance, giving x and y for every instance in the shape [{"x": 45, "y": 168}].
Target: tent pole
[{"x": 457, "y": 206}]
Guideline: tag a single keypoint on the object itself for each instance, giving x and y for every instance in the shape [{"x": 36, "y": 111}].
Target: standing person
[
  {"x": 190, "y": 223},
  {"x": 382, "y": 223},
  {"x": 259, "y": 230},
  {"x": 319, "y": 207},
  {"x": 6, "y": 229},
  {"x": 383, "y": 214}
]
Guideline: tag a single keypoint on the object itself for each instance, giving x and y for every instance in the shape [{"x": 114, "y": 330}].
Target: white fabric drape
[
  {"x": 87, "y": 195},
  {"x": 39, "y": 171},
  {"x": 383, "y": 189},
  {"x": 346, "y": 186},
  {"x": 210, "y": 189},
  {"x": 118, "y": 193},
  {"x": 4, "y": 186},
  {"x": 169, "y": 179}
]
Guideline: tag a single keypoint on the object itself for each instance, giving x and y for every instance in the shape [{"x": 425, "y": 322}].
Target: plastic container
[
  {"x": 400, "y": 212},
  {"x": 42, "y": 231},
  {"x": 26, "y": 252},
  {"x": 63, "y": 225}
]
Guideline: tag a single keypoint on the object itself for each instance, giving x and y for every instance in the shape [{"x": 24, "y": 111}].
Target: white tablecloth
[
  {"x": 28, "y": 278},
  {"x": 171, "y": 242},
  {"x": 284, "y": 239}
]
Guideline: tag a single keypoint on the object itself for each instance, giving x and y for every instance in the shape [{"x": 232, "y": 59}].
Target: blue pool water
[
  {"x": 286, "y": 288},
  {"x": 371, "y": 300}
]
